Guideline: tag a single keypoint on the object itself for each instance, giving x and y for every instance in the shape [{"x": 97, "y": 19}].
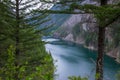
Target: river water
[{"x": 74, "y": 60}]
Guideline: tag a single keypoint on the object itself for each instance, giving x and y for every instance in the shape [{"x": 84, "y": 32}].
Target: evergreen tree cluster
[{"x": 22, "y": 52}]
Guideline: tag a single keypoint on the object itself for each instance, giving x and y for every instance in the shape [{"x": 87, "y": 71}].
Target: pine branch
[
  {"x": 60, "y": 2},
  {"x": 62, "y": 12},
  {"x": 112, "y": 20}
]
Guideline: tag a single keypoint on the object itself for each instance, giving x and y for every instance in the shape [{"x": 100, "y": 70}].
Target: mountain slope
[{"x": 82, "y": 29}]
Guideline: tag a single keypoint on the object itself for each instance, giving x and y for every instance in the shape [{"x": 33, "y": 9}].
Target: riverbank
[{"x": 114, "y": 53}]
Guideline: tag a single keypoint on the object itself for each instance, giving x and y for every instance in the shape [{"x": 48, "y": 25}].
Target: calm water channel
[{"x": 75, "y": 60}]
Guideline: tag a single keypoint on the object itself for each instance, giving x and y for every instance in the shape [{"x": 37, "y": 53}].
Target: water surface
[{"x": 75, "y": 60}]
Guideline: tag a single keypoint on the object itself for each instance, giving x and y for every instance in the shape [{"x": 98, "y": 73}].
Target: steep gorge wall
[{"x": 82, "y": 29}]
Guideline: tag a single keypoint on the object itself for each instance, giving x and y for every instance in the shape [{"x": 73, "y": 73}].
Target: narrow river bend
[{"x": 75, "y": 60}]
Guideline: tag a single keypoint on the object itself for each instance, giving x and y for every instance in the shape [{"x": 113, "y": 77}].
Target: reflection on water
[{"x": 74, "y": 60}]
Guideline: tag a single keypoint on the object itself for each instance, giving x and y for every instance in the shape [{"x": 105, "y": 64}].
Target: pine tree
[
  {"x": 20, "y": 29},
  {"x": 101, "y": 39},
  {"x": 5, "y": 30}
]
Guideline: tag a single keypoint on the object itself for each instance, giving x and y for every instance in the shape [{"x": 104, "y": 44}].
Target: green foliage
[
  {"x": 97, "y": 75},
  {"x": 118, "y": 76},
  {"x": 5, "y": 31},
  {"x": 116, "y": 33},
  {"x": 9, "y": 70},
  {"x": 91, "y": 38},
  {"x": 25, "y": 71},
  {"x": 27, "y": 58},
  {"x": 77, "y": 78},
  {"x": 105, "y": 14}
]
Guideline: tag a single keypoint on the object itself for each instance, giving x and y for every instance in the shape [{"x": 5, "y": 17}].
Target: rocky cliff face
[{"x": 82, "y": 29}]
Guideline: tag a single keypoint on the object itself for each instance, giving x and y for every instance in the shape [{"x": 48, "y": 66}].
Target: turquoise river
[{"x": 74, "y": 60}]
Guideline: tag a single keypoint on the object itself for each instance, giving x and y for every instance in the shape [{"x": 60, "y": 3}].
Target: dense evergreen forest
[{"x": 22, "y": 52}]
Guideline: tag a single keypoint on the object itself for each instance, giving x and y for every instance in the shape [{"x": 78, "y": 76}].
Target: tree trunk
[
  {"x": 17, "y": 28},
  {"x": 101, "y": 38},
  {"x": 17, "y": 50},
  {"x": 99, "y": 63}
]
